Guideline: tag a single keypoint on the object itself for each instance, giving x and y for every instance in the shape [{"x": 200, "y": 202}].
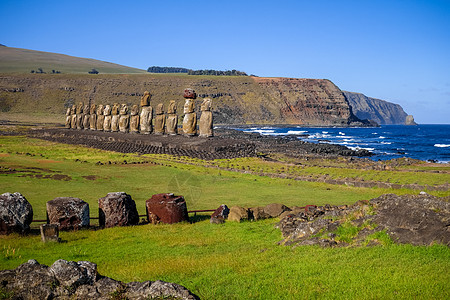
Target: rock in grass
[
  {"x": 117, "y": 209},
  {"x": 221, "y": 212},
  {"x": 80, "y": 280},
  {"x": 166, "y": 208},
  {"x": 68, "y": 213},
  {"x": 238, "y": 214},
  {"x": 275, "y": 209},
  {"x": 16, "y": 213},
  {"x": 258, "y": 213}
]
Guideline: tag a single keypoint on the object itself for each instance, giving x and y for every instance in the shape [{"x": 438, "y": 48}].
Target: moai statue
[
  {"x": 172, "y": 119},
  {"x": 146, "y": 114},
  {"x": 115, "y": 117},
  {"x": 100, "y": 117},
  {"x": 73, "y": 113},
  {"x": 124, "y": 119},
  {"x": 80, "y": 115},
  {"x": 93, "y": 118},
  {"x": 134, "y": 119},
  {"x": 86, "y": 117},
  {"x": 190, "y": 118},
  {"x": 107, "y": 120},
  {"x": 206, "y": 119},
  {"x": 160, "y": 119},
  {"x": 68, "y": 118}
]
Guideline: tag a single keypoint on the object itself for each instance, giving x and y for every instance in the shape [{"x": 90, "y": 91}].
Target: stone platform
[{"x": 203, "y": 148}]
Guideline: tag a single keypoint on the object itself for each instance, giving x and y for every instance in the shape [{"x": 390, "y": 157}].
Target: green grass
[
  {"x": 228, "y": 261},
  {"x": 243, "y": 261},
  {"x": 203, "y": 188},
  {"x": 16, "y": 60}
]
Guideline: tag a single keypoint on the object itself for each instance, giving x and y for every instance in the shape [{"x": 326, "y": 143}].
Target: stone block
[{"x": 166, "y": 208}]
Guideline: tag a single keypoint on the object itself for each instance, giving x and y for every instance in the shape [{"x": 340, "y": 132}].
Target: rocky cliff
[
  {"x": 380, "y": 111},
  {"x": 236, "y": 100}
]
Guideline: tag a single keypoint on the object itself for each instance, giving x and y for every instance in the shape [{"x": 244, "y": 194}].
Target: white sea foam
[
  {"x": 442, "y": 145},
  {"x": 341, "y": 133},
  {"x": 386, "y": 143},
  {"x": 359, "y": 148},
  {"x": 296, "y": 131},
  {"x": 381, "y": 137},
  {"x": 324, "y": 131}
]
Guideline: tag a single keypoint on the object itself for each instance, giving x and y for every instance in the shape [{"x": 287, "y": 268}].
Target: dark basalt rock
[
  {"x": 16, "y": 213},
  {"x": 68, "y": 213},
  {"x": 117, "y": 209},
  {"x": 80, "y": 280},
  {"x": 166, "y": 208},
  {"x": 408, "y": 219},
  {"x": 220, "y": 213}
]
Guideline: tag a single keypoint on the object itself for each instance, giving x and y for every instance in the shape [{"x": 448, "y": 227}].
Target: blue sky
[{"x": 393, "y": 50}]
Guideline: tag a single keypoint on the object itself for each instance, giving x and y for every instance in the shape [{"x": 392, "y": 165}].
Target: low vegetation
[{"x": 228, "y": 261}]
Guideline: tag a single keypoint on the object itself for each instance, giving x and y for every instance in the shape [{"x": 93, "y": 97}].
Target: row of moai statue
[{"x": 115, "y": 118}]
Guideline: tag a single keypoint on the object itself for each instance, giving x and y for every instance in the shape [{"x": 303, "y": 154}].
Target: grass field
[{"x": 229, "y": 261}]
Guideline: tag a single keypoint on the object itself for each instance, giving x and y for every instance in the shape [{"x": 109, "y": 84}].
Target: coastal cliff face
[
  {"x": 235, "y": 100},
  {"x": 308, "y": 101},
  {"x": 380, "y": 111}
]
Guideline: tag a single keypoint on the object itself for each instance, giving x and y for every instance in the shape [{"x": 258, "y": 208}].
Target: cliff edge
[{"x": 380, "y": 111}]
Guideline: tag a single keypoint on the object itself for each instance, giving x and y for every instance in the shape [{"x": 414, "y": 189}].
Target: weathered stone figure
[
  {"x": 134, "y": 119},
  {"x": 93, "y": 118},
  {"x": 80, "y": 115},
  {"x": 206, "y": 119},
  {"x": 73, "y": 112},
  {"x": 68, "y": 118},
  {"x": 160, "y": 119},
  {"x": 172, "y": 119},
  {"x": 115, "y": 117},
  {"x": 107, "y": 121},
  {"x": 190, "y": 118},
  {"x": 100, "y": 117},
  {"x": 124, "y": 119},
  {"x": 86, "y": 117},
  {"x": 146, "y": 114}
]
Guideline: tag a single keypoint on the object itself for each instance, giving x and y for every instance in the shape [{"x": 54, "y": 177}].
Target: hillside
[
  {"x": 16, "y": 60},
  {"x": 380, "y": 111},
  {"x": 236, "y": 99}
]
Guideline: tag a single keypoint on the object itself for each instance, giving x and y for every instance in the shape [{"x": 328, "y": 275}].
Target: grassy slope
[
  {"x": 230, "y": 261},
  {"x": 16, "y": 60}
]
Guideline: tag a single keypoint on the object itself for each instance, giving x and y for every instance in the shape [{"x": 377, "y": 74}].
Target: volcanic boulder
[
  {"x": 166, "y": 208},
  {"x": 80, "y": 280},
  {"x": 220, "y": 214},
  {"x": 68, "y": 213},
  {"x": 238, "y": 214},
  {"x": 117, "y": 209},
  {"x": 275, "y": 209},
  {"x": 16, "y": 213}
]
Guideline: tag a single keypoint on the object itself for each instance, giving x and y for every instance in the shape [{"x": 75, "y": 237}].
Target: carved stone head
[
  {"x": 93, "y": 108},
  {"x": 107, "y": 110},
  {"x": 145, "y": 100},
  {"x": 73, "y": 110},
  {"x": 160, "y": 109},
  {"x": 123, "y": 109},
  {"x": 80, "y": 108},
  {"x": 172, "y": 107},
  {"x": 100, "y": 110},
  {"x": 86, "y": 109},
  {"x": 115, "y": 109},
  {"x": 134, "y": 110},
  {"x": 188, "y": 106},
  {"x": 206, "y": 105}
]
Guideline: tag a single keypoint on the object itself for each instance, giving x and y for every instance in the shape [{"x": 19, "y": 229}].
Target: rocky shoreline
[{"x": 227, "y": 143}]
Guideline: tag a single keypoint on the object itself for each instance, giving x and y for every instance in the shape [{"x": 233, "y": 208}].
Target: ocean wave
[
  {"x": 386, "y": 143},
  {"x": 297, "y": 131},
  {"x": 381, "y": 137},
  {"x": 359, "y": 148},
  {"x": 442, "y": 145},
  {"x": 341, "y": 133}
]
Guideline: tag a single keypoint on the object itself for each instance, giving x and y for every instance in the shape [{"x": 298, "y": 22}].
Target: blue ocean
[{"x": 424, "y": 142}]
